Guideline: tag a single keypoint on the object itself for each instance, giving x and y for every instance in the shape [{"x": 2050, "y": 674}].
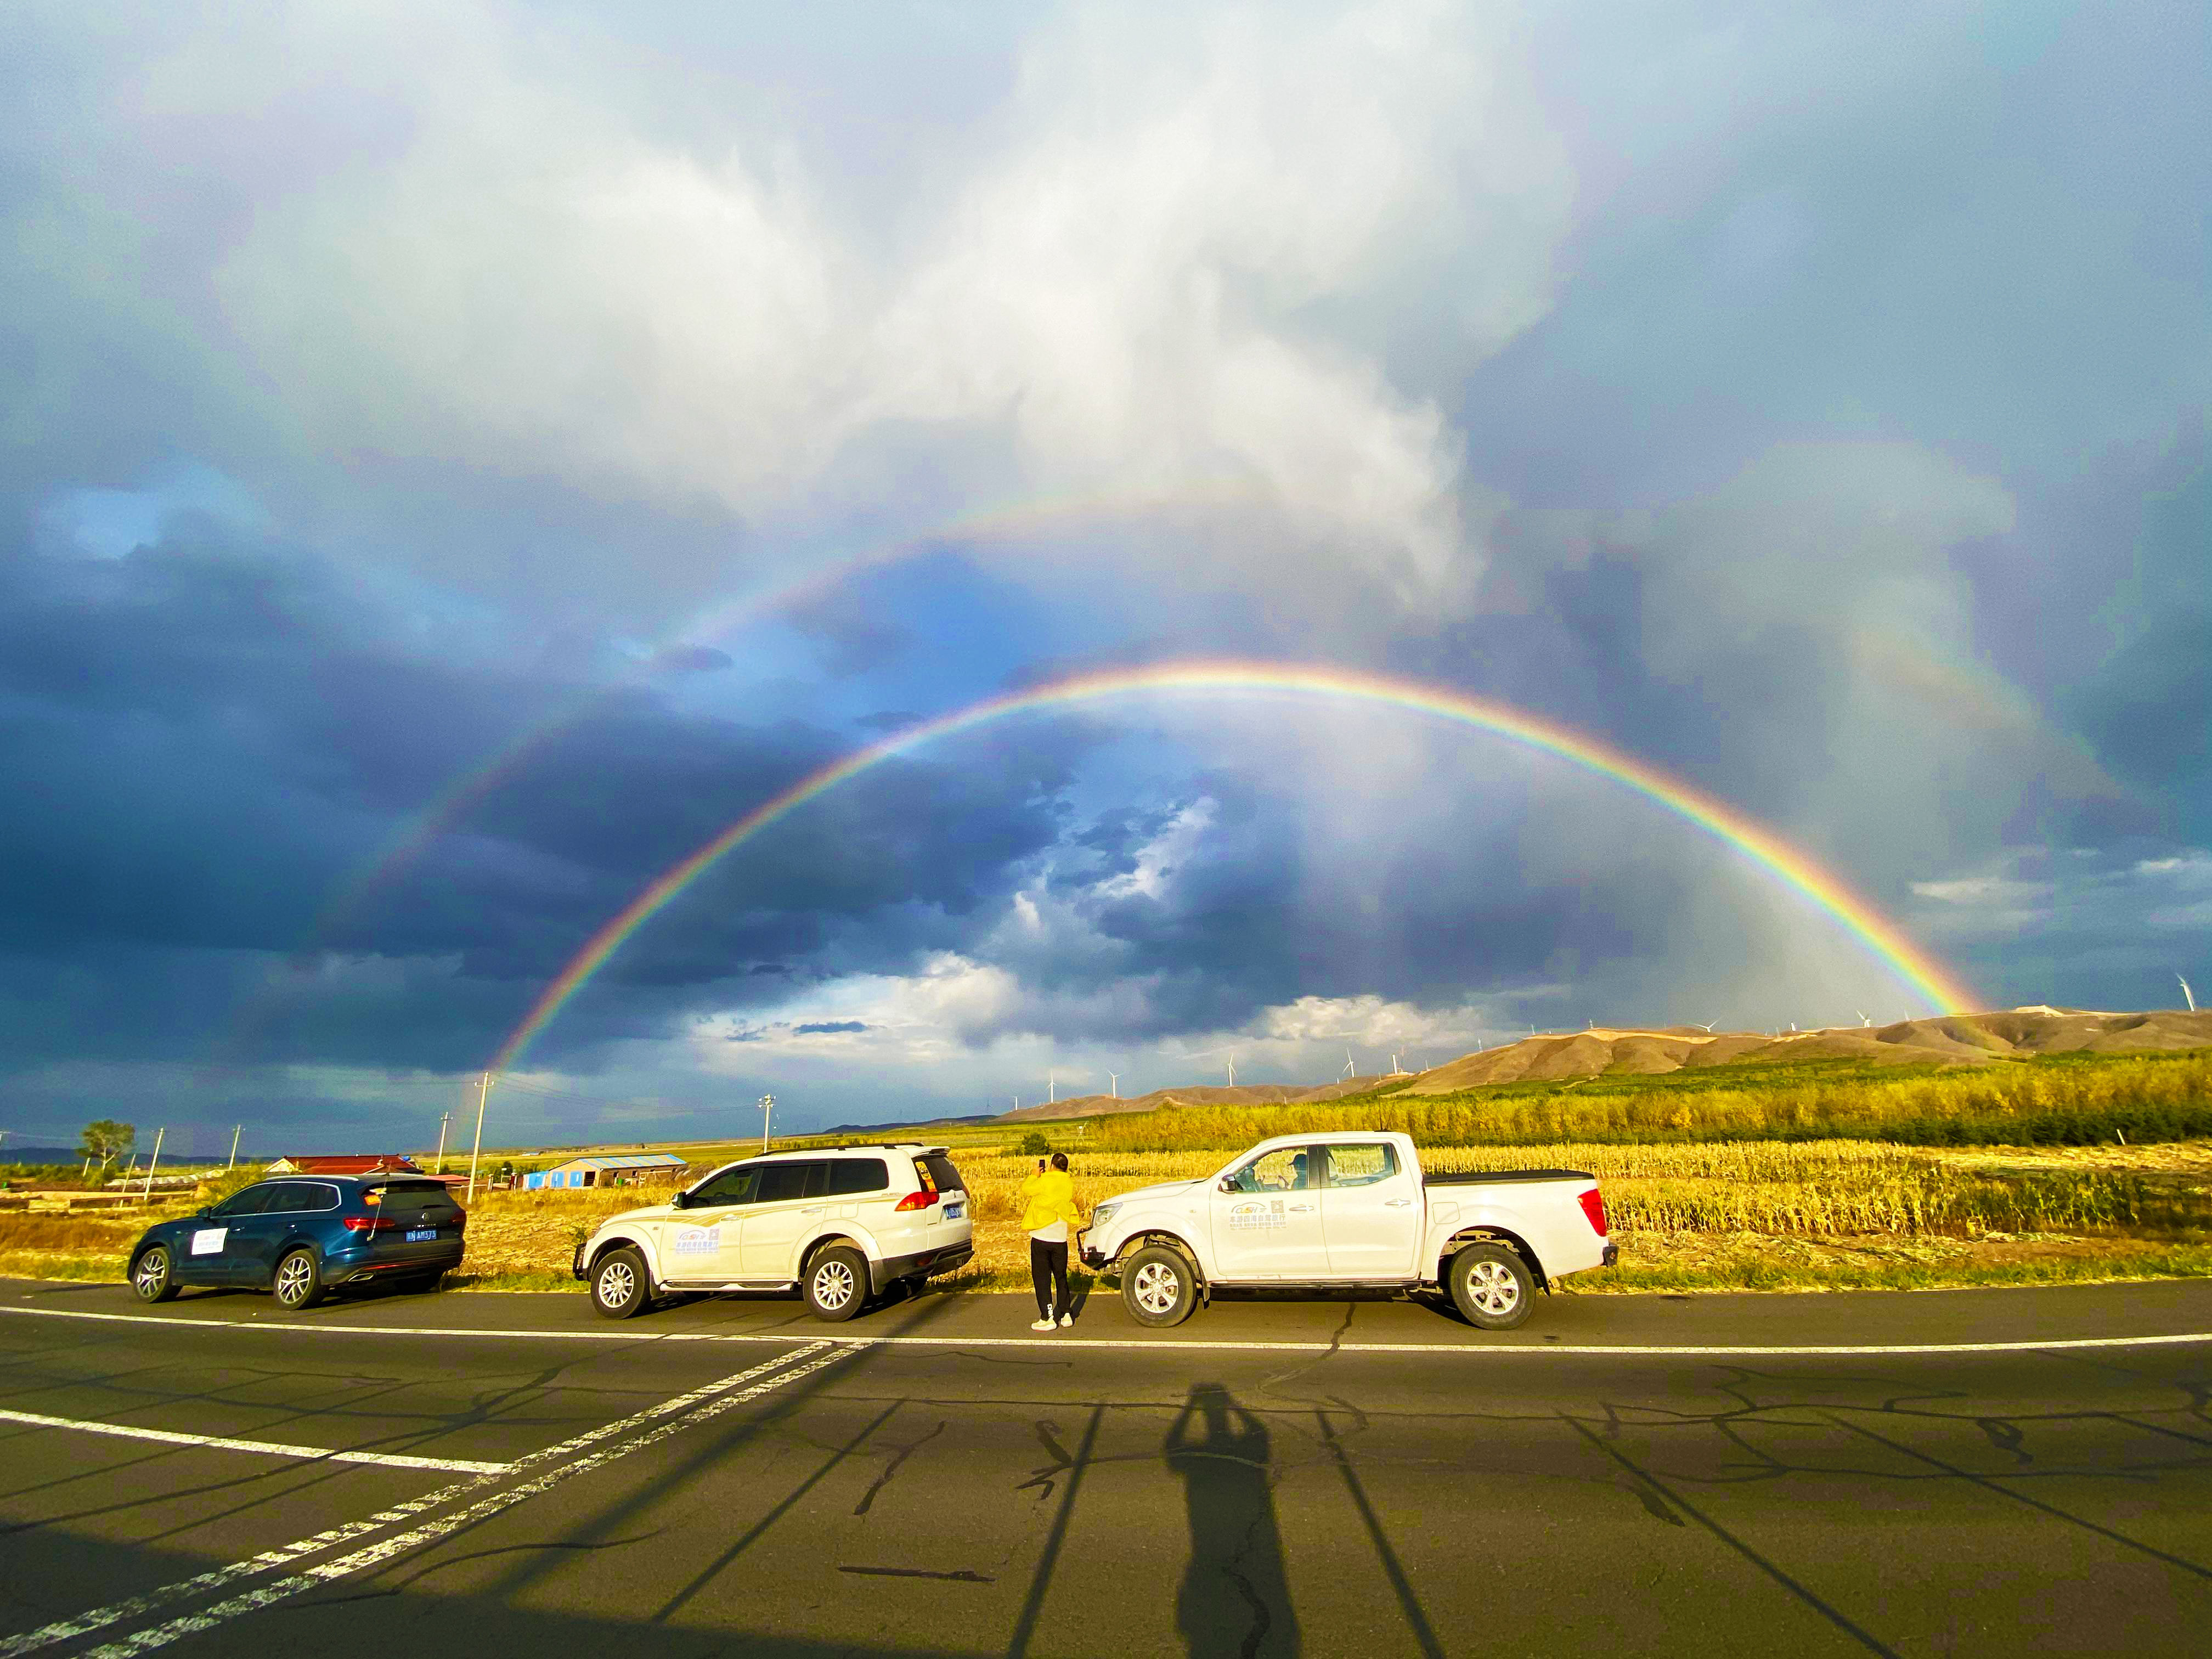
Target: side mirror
[
  {"x": 1227, "y": 1184},
  {"x": 678, "y": 1200}
]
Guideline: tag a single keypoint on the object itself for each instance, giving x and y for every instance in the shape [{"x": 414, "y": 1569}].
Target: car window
[
  {"x": 857, "y": 1174},
  {"x": 317, "y": 1195},
  {"x": 1287, "y": 1169},
  {"x": 1362, "y": 1166},
  {"x": 405, "y": 1198},
  {"x": 254, "y": 1201},
  {"x": 287, "y": 1197},
  {"x": 737, "y": 1185},
  {"x": 781, "y": 1182},
  {"x": 941, "y": 1172}
]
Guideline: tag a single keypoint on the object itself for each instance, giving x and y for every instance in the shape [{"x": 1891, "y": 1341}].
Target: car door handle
[
  {"x": 1302, "y": 1206},
  {"x": 814, "y": 1209},
  {"x": 1397, "y": 1203}
]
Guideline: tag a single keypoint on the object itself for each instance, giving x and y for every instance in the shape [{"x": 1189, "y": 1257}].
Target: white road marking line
[
  {"x": 269, "y": 1447},
  {"x": 383, "y": 1550},
  {"x": 184, "y": 1589},
  {"x": 1142, "y": 1343}
]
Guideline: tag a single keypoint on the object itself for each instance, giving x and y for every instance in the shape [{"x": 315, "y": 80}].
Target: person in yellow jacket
[{"x": 1048, "y": 1211}]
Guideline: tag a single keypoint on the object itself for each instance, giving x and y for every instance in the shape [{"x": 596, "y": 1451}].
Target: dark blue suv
[{"x": 300, "y": 1236}]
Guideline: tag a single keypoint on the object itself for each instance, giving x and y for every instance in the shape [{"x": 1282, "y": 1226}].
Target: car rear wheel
[
  {"x": 836, "y": 1283},
  {"x": 1491, "y": 1286},
  {"x": 154, "y": 1275},
  {"x": 621, "y": 1287},
  {"x": 1159, "y": 1286},
  {"x": 298, "y": 1282}
]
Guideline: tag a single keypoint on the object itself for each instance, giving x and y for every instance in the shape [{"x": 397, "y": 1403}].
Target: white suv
[{"x": 842, "y": 1225}]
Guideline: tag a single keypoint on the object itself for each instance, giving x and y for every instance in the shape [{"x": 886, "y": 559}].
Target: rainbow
[{"x": 1875, "y": 931}]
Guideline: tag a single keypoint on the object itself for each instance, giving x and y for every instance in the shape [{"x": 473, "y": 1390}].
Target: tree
[
  {"x": 1033, "y": 1145},
  {"x": 108, "y": 1140}
]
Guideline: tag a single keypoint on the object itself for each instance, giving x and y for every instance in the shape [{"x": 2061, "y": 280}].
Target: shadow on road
[{"x": 1235, "y": 1598}]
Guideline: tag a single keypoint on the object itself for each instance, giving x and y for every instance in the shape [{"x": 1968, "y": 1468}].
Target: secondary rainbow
[{"x": 1875, "y": 931}]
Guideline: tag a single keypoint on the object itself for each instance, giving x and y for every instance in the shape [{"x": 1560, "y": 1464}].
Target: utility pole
[
  {"x": 768, "y": 1108},
  {"x": 237, "y": 1131},
  {"x": 444, "y": 1118},
  {"x": 146, "y": 1192},
  {"x": 483, "y": 1093}
]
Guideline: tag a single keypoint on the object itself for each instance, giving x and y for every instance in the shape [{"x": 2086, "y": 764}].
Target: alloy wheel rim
[
  {"x": 152, "y": 1268},
  {"x": 833, "y": 1285},
  {"x": 292, "y": 1278},
  {"x": 1157, "y": 1288},
  {"x": 1491, "y": 1287},
  {"x": 616, "y": 1282}
]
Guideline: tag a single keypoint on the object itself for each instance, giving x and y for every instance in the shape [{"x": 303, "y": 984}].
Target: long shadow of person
[{"x": 1235, "y": 1598}]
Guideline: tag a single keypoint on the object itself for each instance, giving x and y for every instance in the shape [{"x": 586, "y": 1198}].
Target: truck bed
[{"x": 1486, "y": 1177}]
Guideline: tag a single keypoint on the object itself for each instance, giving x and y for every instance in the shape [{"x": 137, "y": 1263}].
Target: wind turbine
[
  {"x": 1351, "y": 1069},
  {"x": 1863, "y": 1020},
  {"x": 2187, "y": 994},
  {"x": 1233, "y": 1068},
  {"x": 1114, "y": 1085},
  {"x": 1707, "y": 1027}
]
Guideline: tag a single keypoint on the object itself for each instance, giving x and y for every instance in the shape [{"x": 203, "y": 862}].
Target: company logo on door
[
  {"x": 1258, "y": 1214},
  {"x": 699, "y": 1241}
]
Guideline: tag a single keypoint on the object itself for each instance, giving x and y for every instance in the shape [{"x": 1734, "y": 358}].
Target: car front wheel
[
  {"x": 1159, "y": 1287},
  {"x": 620, "y": 1285},
  {"x": 836, "y": 1283},
  {"x": 153, "y": 1275},
  {"x": 1491, "y": 1286}
]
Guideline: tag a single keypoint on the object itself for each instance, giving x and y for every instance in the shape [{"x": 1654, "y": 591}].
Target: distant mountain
[{"x": 1950, "y": 1040}]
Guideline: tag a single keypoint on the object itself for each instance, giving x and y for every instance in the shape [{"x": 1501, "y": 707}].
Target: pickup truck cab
[{"x": 1350, "y": 1210}]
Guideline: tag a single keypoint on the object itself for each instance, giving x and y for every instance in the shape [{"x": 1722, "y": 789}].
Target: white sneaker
[
  {"x": 1066, "y": 1320},
  {"x": 1041, "y": 1324}
]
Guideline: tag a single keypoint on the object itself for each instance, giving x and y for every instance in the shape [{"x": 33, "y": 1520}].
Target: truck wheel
[
  {"x": 621, "y": 1287},
  {"x": 1159, "y": 1287},
  {"x": 836, "y": 1283},
  {"x": 1491, "y": 1286}
]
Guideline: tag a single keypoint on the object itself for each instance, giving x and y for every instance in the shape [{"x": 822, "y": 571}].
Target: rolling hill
[{"x": 1949, "y": 1040}]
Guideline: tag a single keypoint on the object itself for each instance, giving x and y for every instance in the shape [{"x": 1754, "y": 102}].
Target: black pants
[{"x": 1049, "y": 1264}]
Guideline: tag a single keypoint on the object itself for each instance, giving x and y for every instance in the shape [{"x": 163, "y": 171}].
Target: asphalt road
[{"x": 1926, "y": 1474}]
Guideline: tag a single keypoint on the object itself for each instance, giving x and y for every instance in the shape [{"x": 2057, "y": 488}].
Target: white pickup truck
[{"x": 1350, "y": 1211}]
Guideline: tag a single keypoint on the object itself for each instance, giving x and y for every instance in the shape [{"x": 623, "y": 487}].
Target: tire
[
  {"x": 154, "y": 1275},
  {"x": 836, "y": 1283},
  {"x": 298, "y": 1285},
  {"x": 621, "y": 1287},
  {"x": 1159, "y": 1286},
  {"x": 1491, "y": 1286}
]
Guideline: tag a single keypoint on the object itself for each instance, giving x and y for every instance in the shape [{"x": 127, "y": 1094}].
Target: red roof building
[{"x": 348, "y": 1164}]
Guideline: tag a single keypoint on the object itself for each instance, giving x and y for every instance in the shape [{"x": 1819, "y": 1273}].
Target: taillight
[
  {"x": 363, "y": 1223},
  {"x": 1592, "y": 1203},
  {"x": 916, "y": 1201}
]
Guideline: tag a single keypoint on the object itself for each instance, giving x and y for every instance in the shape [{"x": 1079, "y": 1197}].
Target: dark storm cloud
[{"x": 213, "y": 744}]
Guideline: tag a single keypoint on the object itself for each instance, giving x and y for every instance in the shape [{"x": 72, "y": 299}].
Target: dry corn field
[{"x": 1695, "y": 1205}]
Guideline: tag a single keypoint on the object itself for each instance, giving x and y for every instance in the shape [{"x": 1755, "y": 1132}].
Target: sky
[{"x": 457, "y": 460}]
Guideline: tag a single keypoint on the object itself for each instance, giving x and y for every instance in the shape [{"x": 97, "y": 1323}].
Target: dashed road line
[
  {"x": 186, "y": 1589},
  {"x": 1485, "y": 1350},
  {"x": 267, "y": 1448},
  {"x": 146, "y": 1641}
]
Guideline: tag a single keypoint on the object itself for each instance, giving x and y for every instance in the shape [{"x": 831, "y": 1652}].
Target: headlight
[{"x": 1104, "y": 1214}]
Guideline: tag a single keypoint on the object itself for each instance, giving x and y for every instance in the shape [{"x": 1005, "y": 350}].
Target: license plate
[
  {"x": 954, "y": 1212},
  {"x": 418, "y": 1235}
]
